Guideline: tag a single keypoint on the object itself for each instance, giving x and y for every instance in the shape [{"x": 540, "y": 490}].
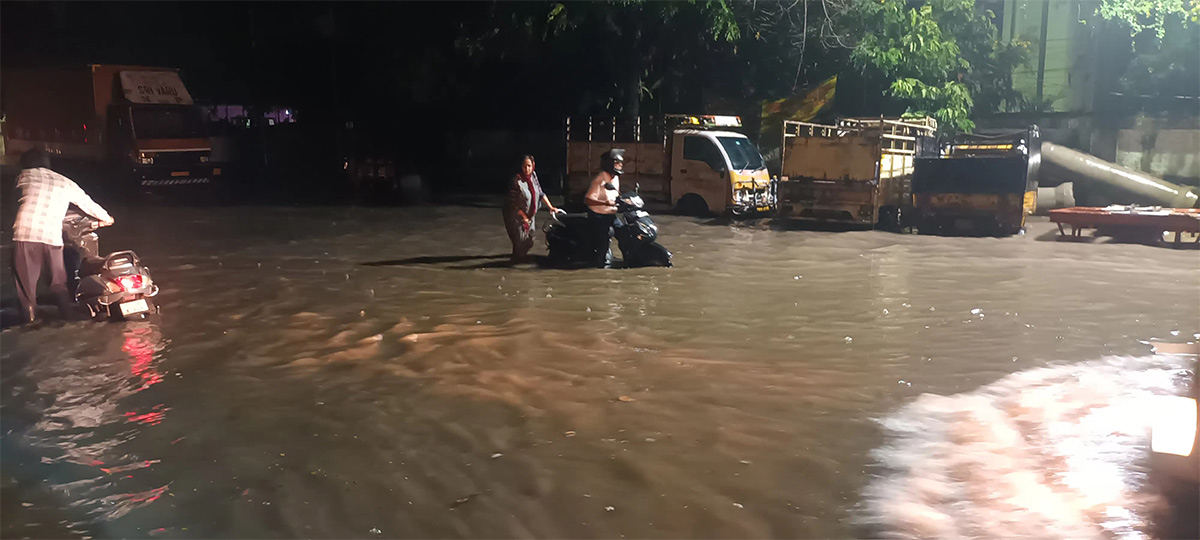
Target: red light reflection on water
[{"x": 140, "y": 345}]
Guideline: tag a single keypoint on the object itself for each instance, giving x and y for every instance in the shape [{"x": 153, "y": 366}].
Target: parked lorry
[
  {"x": 115, "y": 128},
  {"x": 857, "y": 172},
  {"x": 695, "y": 164},
  {"x": 978, "y": 183}
]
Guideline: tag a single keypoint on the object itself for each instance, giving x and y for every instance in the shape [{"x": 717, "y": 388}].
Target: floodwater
[{"x": 774, "y": 383}]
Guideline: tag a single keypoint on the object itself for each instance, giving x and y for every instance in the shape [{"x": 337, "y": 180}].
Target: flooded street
[{"x": 342, "y": 372}]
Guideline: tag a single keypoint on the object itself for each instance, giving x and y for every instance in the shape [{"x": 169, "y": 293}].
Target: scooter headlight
[{"x": 1174, "y": 429}]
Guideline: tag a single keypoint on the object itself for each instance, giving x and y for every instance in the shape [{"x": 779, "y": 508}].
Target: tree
[
  {"x": 1163, "y": 44},
  {"x": 626, "y": 52},
  {"x": 938, "y": 57}
]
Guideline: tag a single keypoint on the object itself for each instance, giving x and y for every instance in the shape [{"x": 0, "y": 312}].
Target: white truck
[{"x": 695, "y": 164}]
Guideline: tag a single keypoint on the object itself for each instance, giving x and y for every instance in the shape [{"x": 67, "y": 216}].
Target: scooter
[
  {"x": 570, "y": 245},
  {"x": 116, "y": 286}
]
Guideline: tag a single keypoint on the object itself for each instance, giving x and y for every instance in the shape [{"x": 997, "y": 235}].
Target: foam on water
[{"x": 1053, "y": 452}]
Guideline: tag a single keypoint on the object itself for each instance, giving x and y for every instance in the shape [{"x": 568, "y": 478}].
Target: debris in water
[
  {"x": 609, "y": 508},
  {"x": 744, "y": 462},
  {"x": 739, "y": 505},
  {"x": 496, "y": 455},
  {"x": 569, "y": 433},
  {"x": 849, "y": 339},
  {"x": 463, "y": 501},
  {"x": 375, "y": 530},
  {"x": 795, "y": 277},
  {"x": 626, "y": 399},
  {"x": 976, "y": 311}
]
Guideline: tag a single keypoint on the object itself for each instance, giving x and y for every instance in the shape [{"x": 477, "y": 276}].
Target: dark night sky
[{"x": 394, "y": 58}]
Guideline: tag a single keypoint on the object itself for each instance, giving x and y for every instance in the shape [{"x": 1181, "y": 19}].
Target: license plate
[{"x": 136, "y": 306}]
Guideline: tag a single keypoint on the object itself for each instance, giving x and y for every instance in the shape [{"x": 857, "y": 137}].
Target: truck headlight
[
  {"x": 1174, "y": 428},
  {"x": 203, "y": 159}
]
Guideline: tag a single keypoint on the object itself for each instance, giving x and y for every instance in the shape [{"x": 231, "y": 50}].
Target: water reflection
[{"x": 93, "y": 410}]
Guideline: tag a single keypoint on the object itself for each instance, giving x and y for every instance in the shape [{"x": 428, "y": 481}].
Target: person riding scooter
[{"x": 601, "y": 200}]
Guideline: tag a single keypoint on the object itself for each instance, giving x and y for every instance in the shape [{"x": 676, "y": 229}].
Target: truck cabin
[{"x": 736, "y": 181}]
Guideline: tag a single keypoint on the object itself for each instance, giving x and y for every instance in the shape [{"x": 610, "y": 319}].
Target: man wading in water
[{"x": 601, "y": 202}]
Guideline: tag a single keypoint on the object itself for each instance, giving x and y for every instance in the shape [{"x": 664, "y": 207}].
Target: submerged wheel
[
  {"x": 693, "y": 205},
  {"x": 889, "y": 219}
]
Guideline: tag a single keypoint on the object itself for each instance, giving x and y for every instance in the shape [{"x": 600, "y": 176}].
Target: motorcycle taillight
[{"x": 131, "y": 283}]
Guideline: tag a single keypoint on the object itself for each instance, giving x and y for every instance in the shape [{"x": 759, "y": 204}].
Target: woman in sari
[{"x": 524, "y": 198}]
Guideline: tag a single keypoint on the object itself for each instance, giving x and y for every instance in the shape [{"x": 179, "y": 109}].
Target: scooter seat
[{"x": 92, "y": 265}]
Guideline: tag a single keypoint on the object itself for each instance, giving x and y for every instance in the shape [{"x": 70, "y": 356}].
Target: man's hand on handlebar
[{"x": 107, "y": 223}]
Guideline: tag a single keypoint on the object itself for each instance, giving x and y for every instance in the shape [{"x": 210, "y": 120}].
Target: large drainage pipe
[
  {"x": 1053, "y": 198},
  {"x": 1074, "y": 162}
]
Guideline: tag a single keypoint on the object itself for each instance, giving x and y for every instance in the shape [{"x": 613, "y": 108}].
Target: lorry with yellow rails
[
  {"x": 857, "y": 172},
  {"x": 695, "y": 164}
]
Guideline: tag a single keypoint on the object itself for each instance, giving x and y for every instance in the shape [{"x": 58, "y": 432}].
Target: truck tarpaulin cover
[{"x": 163, "y": 87}]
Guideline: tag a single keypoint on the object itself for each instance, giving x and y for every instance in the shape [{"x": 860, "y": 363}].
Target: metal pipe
[{"x": 1074, "y": 162}]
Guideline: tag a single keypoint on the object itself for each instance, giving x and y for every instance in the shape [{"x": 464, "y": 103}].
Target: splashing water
[{"x": 1045, "y": 453}]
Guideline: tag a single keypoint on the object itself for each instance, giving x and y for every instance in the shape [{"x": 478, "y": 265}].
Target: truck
[
  {"x": 113, "y": 128},
  {"x": 978, "y": 183},
  {"x": 857, "y": 172},
  {"x": 694, "y": 164}
]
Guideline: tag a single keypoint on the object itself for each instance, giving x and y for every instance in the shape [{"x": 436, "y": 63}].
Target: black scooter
[
  {"x": 116, "y": 286},
  {"x": 568, "y": 238}
]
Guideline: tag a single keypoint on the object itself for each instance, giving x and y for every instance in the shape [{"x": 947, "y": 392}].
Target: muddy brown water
[{"x": 774, "y": 383}]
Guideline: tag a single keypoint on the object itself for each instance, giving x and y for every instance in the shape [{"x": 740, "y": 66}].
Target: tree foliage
[
  {"x": 939, "y": 57},
  {"x": 1163, "y": 47},
  {"x": 1149, "y": 15}
]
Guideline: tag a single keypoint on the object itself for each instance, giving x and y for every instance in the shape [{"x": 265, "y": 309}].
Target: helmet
[{"x": 613, "y": 161}]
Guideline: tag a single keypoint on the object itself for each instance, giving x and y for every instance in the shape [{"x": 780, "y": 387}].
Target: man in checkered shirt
[{"x": 37, "y": 234}]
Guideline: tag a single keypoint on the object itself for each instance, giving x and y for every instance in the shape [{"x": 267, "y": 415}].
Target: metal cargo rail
[{"x": 858, "y": 171}]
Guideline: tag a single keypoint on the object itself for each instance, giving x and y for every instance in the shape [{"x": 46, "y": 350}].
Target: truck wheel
[
  {"x": 889, "y": 219},
  {"x": 692, "y": 205}
]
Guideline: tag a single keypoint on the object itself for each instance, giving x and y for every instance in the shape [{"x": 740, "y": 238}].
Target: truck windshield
[
  {"x": 743, "y": 155},
  {"x": 167, "y": 122}
]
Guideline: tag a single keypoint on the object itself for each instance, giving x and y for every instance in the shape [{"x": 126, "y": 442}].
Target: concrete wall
[{"x": 1171, "y": 154}]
